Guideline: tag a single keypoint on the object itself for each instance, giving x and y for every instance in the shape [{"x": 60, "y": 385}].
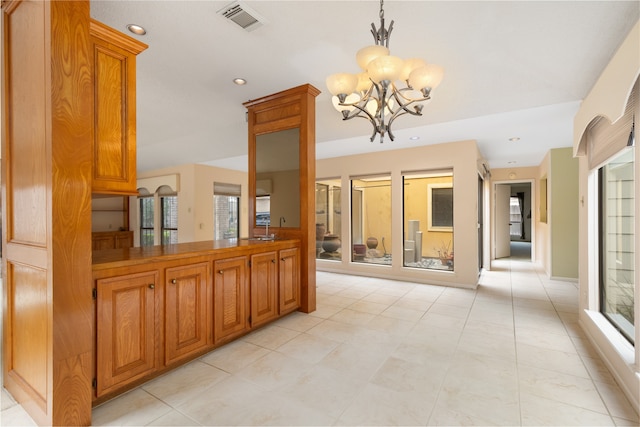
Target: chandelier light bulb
[
  {"x": 364, "y": 83},
  {"x": 385, "y": 68},
  {"x": 410, "y": 65},
  {"x": 428, "y": 77},
  {"x": 342, "y": 83},
  {"x": 369, "y": 53}
]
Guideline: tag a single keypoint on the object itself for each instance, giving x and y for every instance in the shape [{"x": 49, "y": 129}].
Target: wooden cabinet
[
  {"x": 111, "y": 240},
  {"x": 187, "y": 320},
  {"x": 264, "y": 288},
  {"x": 158, "y": 308},
  {"x": 289, "y": 280},
  {"x": 114, "y": 147},
  {"x": 126, "y": 319},
  {"x": 230, "y": 298}
]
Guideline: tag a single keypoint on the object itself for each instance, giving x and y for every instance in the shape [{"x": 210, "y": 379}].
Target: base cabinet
[
  {"x": 154, "y": 316},
  {"x": 111, "y": 240},
  {"x": 230, "y": 298},
  {"x": 125, "y": 309},
  {"x": 264, "y": 288},
  {"x": 289, "y": 280},
  {"x": 187, "y": 321}
]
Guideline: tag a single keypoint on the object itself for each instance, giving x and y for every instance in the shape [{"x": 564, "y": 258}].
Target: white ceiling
[{"x": 512, "y": 69}]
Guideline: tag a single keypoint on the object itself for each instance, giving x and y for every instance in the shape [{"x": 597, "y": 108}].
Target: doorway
[{"x": 514, "y": 221}]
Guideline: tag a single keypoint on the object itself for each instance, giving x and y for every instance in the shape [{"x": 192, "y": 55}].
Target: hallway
[{"x": 382, "y": 352}]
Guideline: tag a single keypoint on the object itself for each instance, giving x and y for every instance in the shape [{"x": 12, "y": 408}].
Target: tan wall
[
  {"x": 195, "y": 199},
  {"x": 563, "y": 202},
  {"x": 460, "y": 156}
]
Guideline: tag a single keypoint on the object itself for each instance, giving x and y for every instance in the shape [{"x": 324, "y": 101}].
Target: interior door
[{"x": 503, "y": 194}]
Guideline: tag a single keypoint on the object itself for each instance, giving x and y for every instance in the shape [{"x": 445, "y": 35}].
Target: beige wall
[
  {"x": 195, "y": 199},
  {"x": 608, "y": 98},
  {"x": 563, "y": 210},
  {"x": 460, "y": 156}
]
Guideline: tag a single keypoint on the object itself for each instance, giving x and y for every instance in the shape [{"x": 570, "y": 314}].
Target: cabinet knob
[
  {"x": 152, "y": 286},
  {"x": 273, "y": 260},
  {"x": 220, "y": 272},
  {"x": 174, "y": 281},
  {"x": 282, "y": 259}
]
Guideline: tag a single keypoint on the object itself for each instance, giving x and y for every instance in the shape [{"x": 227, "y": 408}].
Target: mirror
[{"x": 278, "y": 179}]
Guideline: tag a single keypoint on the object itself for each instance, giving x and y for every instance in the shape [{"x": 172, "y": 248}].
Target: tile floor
[{"x": 382, "y": 352}]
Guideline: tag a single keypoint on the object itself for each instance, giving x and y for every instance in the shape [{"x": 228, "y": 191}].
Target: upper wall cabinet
[{"x": 114, "y": 145}]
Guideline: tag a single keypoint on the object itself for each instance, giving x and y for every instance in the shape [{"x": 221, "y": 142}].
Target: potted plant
[{"x": 445, "y": 253}]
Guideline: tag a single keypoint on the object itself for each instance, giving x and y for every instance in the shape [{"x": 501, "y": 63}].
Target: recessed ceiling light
[
  {"x": 514, "y": 139},
  {"x": 414, "y": 138},
  {"x": 512, "y": 162},
  {"x": 239, "y": 81},
  {"x": 136, "y": 29}
]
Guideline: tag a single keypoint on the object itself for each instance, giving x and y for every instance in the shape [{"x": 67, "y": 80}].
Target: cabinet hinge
[
  {"x": 94, "y": 383},
  {"x": 249, "y": 264},
  {"x": 94, "y": 293}
]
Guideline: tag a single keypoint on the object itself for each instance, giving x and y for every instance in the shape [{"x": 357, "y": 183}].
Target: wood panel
[
  {"x": 264, "y": 288},
  {"x": 28, "y": 312},
  {"x": 289, "y": 280},
  {"x": 230, "y": 298},
  {"x": 188, "y": 324},
  {"x": 47, "y": 100},
  {"x": 115, "y": 110},
  {"x": 125, "y": 315}
]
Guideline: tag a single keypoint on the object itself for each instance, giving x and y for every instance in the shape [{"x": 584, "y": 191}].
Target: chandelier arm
[{"x": 404, "y": 103}]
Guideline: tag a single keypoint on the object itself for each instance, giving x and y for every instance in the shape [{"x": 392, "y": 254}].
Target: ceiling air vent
[{"x": 242, "y": 15}]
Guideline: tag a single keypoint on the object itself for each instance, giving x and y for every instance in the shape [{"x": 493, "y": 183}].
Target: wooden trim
[{"x": 106, "y": 33}]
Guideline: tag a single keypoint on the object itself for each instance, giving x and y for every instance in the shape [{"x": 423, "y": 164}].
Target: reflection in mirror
[
  {"x": 278, "y": 179},
  {"x": 328, "y": 220}
]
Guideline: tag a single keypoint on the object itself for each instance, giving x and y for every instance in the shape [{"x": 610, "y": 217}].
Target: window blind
[
  {"x": 606, "y": 139},
  {"x": 224, "y": 189}
]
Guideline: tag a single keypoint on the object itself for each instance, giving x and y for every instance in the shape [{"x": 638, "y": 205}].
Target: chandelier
[{"x": 388, "y": 87}]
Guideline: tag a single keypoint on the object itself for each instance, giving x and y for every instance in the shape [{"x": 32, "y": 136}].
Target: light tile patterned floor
[{"x": 382, "y": 352}]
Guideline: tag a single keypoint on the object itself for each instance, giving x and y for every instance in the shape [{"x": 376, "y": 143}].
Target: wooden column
[
  {"x": 290, "y": 109},
  {"x": 47, "y": 130}
]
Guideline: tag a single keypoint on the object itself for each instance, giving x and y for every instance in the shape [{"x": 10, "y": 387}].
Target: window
[
  {"x": 263, "y": 211},
  {"x": 440, "y": 206},
  {"x": 616, "y": 243},
  {"x": 328, "y": 220},
  {"x": 515, "y": 218},
  {"x": 169, "y": 214},
  {"x": 428, "y": 219},
  {"x": 371, "y": 219},
  {"x": 146, "y": 221},
  {"x": 226, "y": 210}
]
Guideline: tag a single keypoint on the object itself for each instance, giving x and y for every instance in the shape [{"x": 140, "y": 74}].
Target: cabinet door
[
  {"x": 125, "y": 310},
  {"x": 264, "y": 287},
  {"x": 124, "y": 239},
  {"x": 187, "y": 321},
  {"x": 289, "y": 280},
  {"x": 102, "y": 241},
  {"x": 114, "y": 151},
  {"x": 230, "y": 297}
]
